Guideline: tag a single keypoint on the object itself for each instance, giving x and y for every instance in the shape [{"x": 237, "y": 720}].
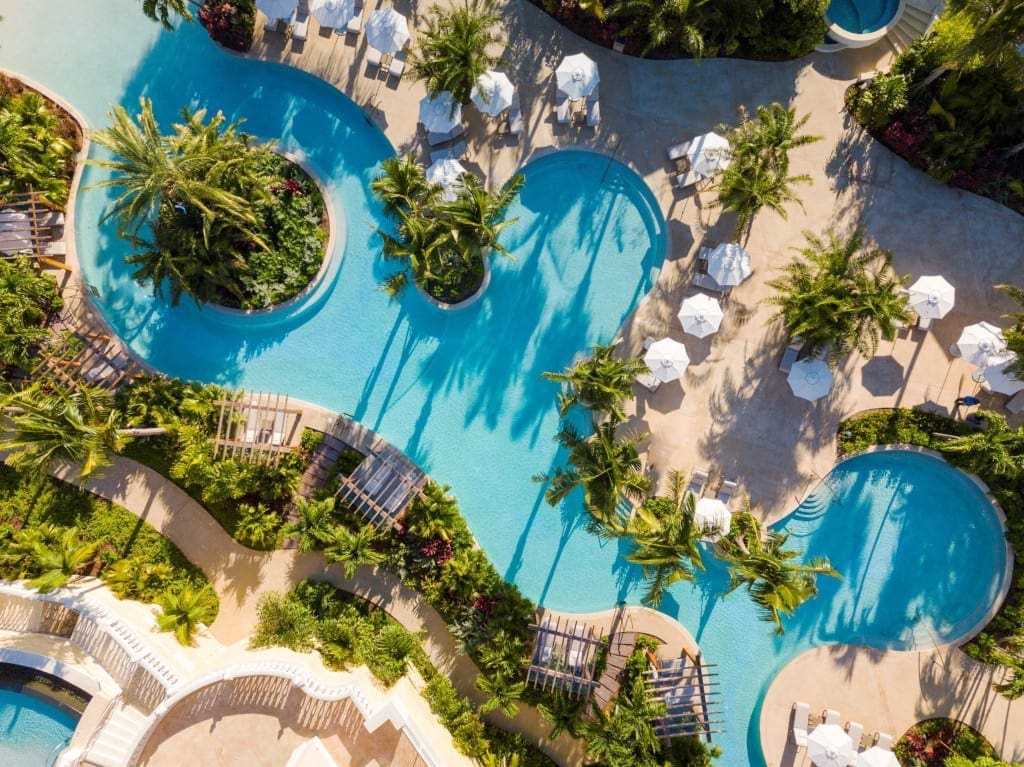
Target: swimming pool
[
  {"x": 858, "y": 23},
  {"x": 31, "y": 730},
  {"x": 461, "y": 391}
]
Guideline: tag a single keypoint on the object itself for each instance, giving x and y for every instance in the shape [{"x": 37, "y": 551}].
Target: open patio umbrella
[
  {"x": 700, "y": 315},
  {"x": 980, "y": 341},
  {"x": 446, "y": 173},
  {"x": 829, "y": 746},
  {"x": 932, "y": 297},
  {"x": 492, "y": 93},
  {"x": 997, "y": 377},
  {"x": 709, "y": 154},
  {"x": 277, "y": 9},
  {"x": 877, "y": 757},
  {"x": 332, "y": 13},
  {"x": 440, "y": 113},
  {"x": 728, "y": 264},
  {"x": 667, "y": 359},
  {"x": 810, "y": 379},
  {"x": 577, "y": 76},
  {"x": 387, "y": 30},
  {"x": 712, "y": 518}
]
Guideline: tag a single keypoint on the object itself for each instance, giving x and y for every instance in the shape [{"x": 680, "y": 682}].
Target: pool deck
[{"x": 889, "y": 692}]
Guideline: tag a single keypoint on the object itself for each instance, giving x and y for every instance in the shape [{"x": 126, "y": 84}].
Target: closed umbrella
[
  {"x": 332, "y": 13},
  {"x": 932, "y": 297},
  {"x": 877, "y": 757},
  {"x": 980, "y": 341},
  {"x": 700, "y": 315},
  {"x": 728, "y": 264},
  {"x": 810, "y": 379},
  {"x": 829, "y": 746},
  {"x": 997, "y": 377},
  {"x": 667, "y": 359},
  {"x": 712, "y": 518},
  {"x": 709, "y": 154},
  {"x": 492, "y": 93},
  {"x": 577, "y": 76},
  {"x": 387, "y": 30},
  {"x": 446, "y": 173},
  {"x": 277, "y": 9},
  {"x": 439, "y": 113}
]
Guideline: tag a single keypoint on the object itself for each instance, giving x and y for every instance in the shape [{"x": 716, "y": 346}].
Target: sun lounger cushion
[
  {"x": 649, "y": 380},
  {"x": 593, "y": 113},
  {"x": 884, "y": 740},
  {"x": 856, "y": 731},
  {"x": 698, "y": 480},
  {"x": 689, "y": 178},
  {"x": 301, "y": 29},
  {"x": 454, "y": 152},
  {"x": 56, "y": 248},
  {"x": 801, "y": 716},
  {"x": 435, "y": 139},
  {"x": 271, "y": 25},
  {"x": 726, "y": 491},
  {"x": 397, "y": 66},
  {"x": 678, "y": 151},
  {"x": 831, "y": 716},
  {"x": 355, "y": 24},
  {"x": 562, "y": 114},
  {"x": 706, "y": 282},
  {"x": 791, "y": 355},
  {"x": 373, "y": 57}
]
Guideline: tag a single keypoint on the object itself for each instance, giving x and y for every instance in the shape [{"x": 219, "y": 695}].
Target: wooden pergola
[
  {"x": 688, "y": 688},
  {"x": 27, "y": 229},
  {"x": 256, "y": 427},
  {"x": 563, "y": 657}
]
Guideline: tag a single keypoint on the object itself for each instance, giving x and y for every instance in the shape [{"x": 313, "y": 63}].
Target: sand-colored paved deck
[{"x": 889, "y": 692}]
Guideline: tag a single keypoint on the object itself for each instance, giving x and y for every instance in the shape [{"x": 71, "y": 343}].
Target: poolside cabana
[
  {"x": 27, "y": 229},
  {"x": 563, "y": 657},
  {"x": 688, "y": 688},
  {"x": 256, "y": 427}
]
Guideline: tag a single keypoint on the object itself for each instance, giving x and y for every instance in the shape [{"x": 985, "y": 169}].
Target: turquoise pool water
[
  {"x": 30, "y": 730},
  {"x": 461, "y": 392},
  {"x": 862, "y": 16}
]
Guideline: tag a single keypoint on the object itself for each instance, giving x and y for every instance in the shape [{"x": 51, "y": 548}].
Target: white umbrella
[
  {"x": 980, "y": 341},
  {"x": 577, "y": 76},
  {"x": 728, "y": 264},
  {"x": 277, "y": 9},
  {"x": 709, "y": 153},
  {"x": 667, "y": 359},
  {"x": 932, "y": 297},
  {"x": 700, "y": 315},
  {"x": 810, "y": 378},
  {"x": 440, "y": 113},
  {"x": 712, "y": 518},
  {"x": 997, "y": 377},
  {"x": 332, "y": 13},
  {"x": 387, "y": 30},
  {"x": 877, "y": 757},
  {"x": 446, "y": 173},
  {"x": 829, "y": 746},
  {"x": 492, "y": 93}
]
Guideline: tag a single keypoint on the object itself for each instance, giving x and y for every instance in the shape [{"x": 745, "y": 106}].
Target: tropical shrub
[
  {"x": 185, "y": 609},
  {"x": 164, "y": 10},
  {"x": 257, "y": 526},
  {"x": 874, "y": 104},
  {"x": 37, "y": 145},
  {"x": 933, "y": 742},
  {"x": 231, "y": 23},
  {"x": 27, "y": 301},
  {"x": 1015, "y": 333},
  {"x": 284, "y": 622}
]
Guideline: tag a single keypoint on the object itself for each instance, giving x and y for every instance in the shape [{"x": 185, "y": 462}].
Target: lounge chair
[
  {"x": 649, "y": 380},
  {"x": 562, "y": 110},
  {"x": 679, "y": 151},
  {"x": 52, "y": 218},
  {"x": 300, "y": 31},
  {"x": 373, "y": 58},
  {"x": 856, "y": 731},
  {"x": 355, "y": 24},
  {"x": 706, "y": 282},
  {"x": 55, "y": 248},
  {"x": 801, "y": 717},
  {"x": 689, "y": 178},
  {"x": 791, "y": 355},
  {"x": 924, "y": 323},
  {"x": 593, "y": 113},
  {"x": 884, "y": 741},
  {"x": 435, "y": 139},
  {"x": 397, "y": 65},
  {"x": 595, "y": 94},
  {"x": 515, "y": 116},
  {"x": 453, "y": 152},
  {"x": 726, "y": 491},
  {"x": 698, "y": 481},
  {"x": 271, "y": 25},
  {"x": 277, "y": 436},
  {"x": 830, "y": 716}
]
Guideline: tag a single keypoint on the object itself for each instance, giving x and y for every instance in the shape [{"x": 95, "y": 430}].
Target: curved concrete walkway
[{"x": 890, "y": 691}]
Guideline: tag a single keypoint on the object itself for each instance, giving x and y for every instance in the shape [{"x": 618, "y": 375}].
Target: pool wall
[{"x": 853, "y": 39}]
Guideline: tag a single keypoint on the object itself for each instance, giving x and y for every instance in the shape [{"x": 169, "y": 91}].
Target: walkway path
[{"x": 890, "y": 691}]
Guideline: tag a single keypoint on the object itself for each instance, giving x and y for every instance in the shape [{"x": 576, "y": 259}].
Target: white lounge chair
[
  {"x": 355, "y": 24},
  {"x": 856, "y": 731},
  {"x": 831, "y": 716},
  {"x": 801, "y": 719},
  {"x": 515, "y": 116},
  {"x": 300, "y": 31},
  {"x": 562, "y": 112},
  {"x": 593, "y": 113},
  {"x": 689, "y": 178},
  {"x": 884, "y": 741},
  {"x": 649, "y": 381},
  {"x": 397, "y": 65},
  {"x": 698, "y": 481},
  {"x": 453, "y": 152},
  {"x": 679, "y": 151},
  {"x": 726, "y": 491},
  {"x": 442, "y": 138},
  {"x": 791, "y": 355},
  {"x": 373, "y": 58}
]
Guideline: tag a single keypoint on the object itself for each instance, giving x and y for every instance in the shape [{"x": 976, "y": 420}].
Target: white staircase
[
  {"x": 914, "y": 24},
  {"x": 117, "y": 737}
]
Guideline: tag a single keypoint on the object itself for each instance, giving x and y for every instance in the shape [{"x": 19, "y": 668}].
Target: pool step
[
  {"x": 117, "y": 737},
  {"x": 914, "y": 24}
]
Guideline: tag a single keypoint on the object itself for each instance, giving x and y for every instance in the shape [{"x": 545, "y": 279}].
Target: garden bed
[
  {"x": 931, "y": 742},
  {"x": 231, "y": 23}
]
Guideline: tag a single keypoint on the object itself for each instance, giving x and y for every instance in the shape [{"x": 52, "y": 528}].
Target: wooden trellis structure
[
  {"x": 563, "y": 657},
  {"x": 256, "y": 427},
  {"x": 29, "y": 228},
  {"x": 688, "y": 688},
  {"x": 381, "y": 486}
]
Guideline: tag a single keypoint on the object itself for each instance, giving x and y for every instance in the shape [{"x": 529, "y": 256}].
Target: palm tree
[
  {"x": 45, "y": 427},
  {"x": 668, "y": 24},
  {"x": 563, "y": 713},
  {"x": 998, "y": 31},
  {"x": 770, "y": 137},
  {"x": 453, "y": 49},
  {"x": 666, "y": 540},
  {"x": 423, "y": 242},
  {"x": 184, "y": 609},
  {"x": 503, "y": 692},
  {"x": 53, "y": 556},
  {"x": 477, "y": 217},
  {"x": 314, "y": 524},
  {"x": 352, "y": 549},
  {"x": 608, "y": 469},
  {"x": 161, "y": 10},
  {"x": 403, "y": 185},
  {"x": 256, "y": 525},
  {"x": 434, "y": 514},
  {"x": 26, "y": 301},
  {"x": 600, "y": 382},
  {"x": 836, "y": 297},
  {"x": 135, "y": 578},
  {"x": 747, "y": 190},
  {"x": 777, "y": 584},
  {"x": 997, "y": 450},
  {"x": 1015, "y": 334},
  {"x": 624, "y": 737}
]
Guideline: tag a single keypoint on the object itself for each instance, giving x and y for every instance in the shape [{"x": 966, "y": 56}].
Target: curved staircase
[{"x": 914, "y": 23}]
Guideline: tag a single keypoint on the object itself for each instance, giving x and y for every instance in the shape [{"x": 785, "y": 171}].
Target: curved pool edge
[{"x": 863, "y": 39}]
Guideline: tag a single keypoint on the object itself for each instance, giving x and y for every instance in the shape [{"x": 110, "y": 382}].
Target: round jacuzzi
[{"x": 858, "y": 23}]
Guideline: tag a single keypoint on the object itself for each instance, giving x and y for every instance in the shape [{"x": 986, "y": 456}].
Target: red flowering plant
[{"x": 229, "y": 23}]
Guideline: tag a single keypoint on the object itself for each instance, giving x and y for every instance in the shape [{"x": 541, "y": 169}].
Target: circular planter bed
[
  {"x": 931, "y": 742},
  {"x": 468, "y": 292}
]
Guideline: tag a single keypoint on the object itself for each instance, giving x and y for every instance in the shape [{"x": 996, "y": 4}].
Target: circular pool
[{"x": 858, "y": 23}]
